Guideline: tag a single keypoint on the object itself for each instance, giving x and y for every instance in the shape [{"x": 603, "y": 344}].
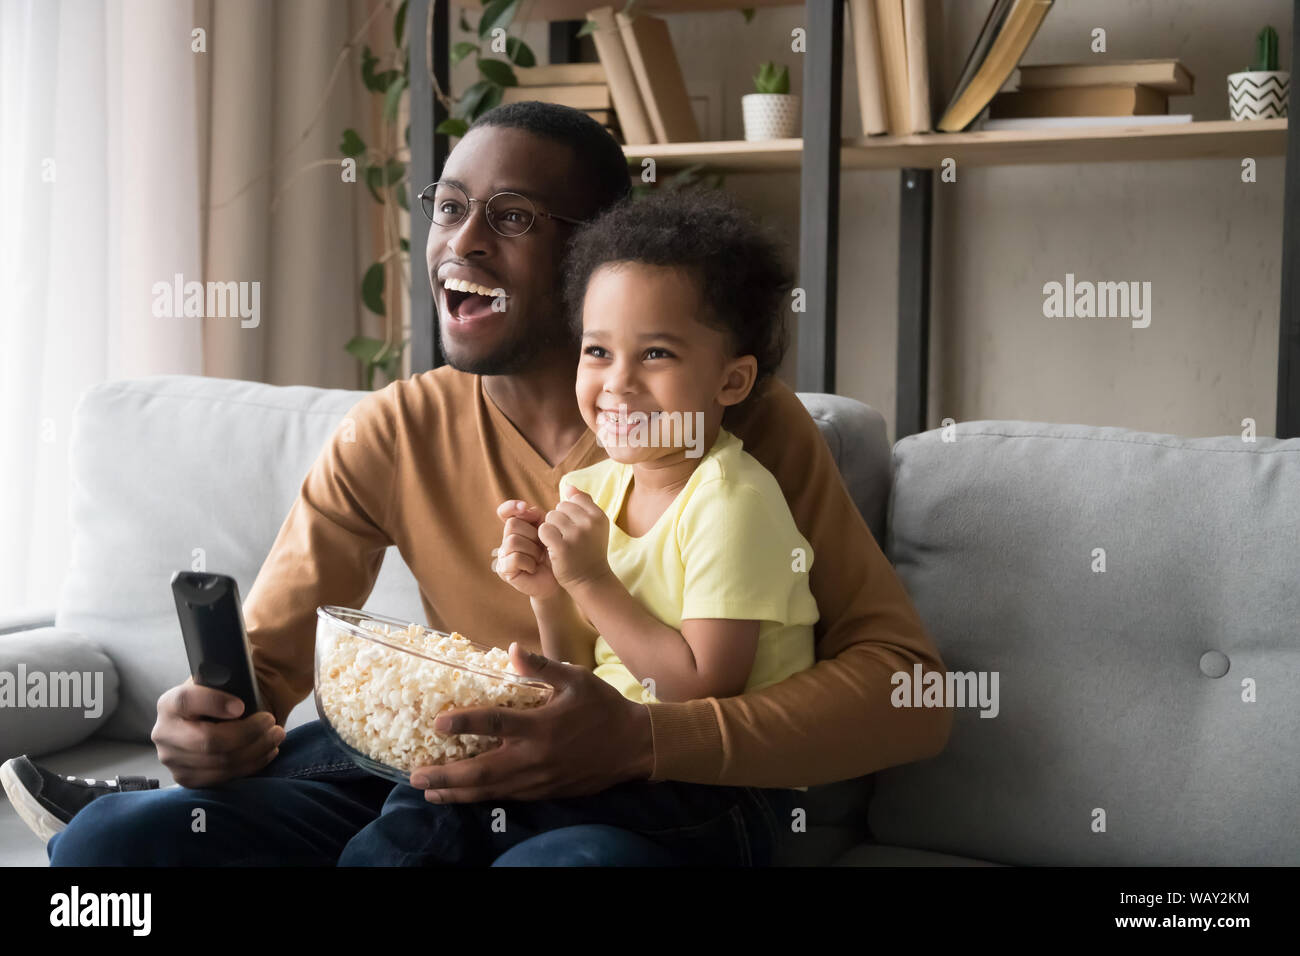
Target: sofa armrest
[
  {"x": 57, "y": 687},
  {"x": 26, "y": 620}
]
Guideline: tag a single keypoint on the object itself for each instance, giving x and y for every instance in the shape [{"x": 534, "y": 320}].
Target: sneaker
[{"x": 46, "y": 801}]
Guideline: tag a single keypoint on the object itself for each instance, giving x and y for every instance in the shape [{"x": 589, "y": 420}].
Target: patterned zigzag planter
[{"x": 1259, "y": 94}]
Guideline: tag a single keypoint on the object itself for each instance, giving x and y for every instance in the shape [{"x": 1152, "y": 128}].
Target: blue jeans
[{"x": 312, "y": 806}]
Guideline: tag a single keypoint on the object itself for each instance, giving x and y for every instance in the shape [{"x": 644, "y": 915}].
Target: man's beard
[{"x": 522, "y": 351}]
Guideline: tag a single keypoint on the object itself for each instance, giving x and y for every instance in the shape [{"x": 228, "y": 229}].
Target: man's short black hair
[
  {"x": 739, "y": 267},
  {"x": 601, "y": 167}
]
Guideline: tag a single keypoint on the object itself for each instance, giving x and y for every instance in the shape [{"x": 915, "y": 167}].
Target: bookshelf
[{"x": 822, "y": 153}]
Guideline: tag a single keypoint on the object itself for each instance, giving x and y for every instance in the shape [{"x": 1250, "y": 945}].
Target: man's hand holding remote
[{"x": 203, "y": 739}]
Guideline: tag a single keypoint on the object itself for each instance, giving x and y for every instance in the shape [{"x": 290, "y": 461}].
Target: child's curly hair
[{"x": 740, "y": 268}]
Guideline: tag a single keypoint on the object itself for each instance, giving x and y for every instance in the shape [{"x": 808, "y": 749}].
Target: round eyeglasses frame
[{"x": 427, "y": 199}]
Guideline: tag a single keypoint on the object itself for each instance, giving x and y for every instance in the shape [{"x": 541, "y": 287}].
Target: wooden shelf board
[
  {"x": 729, "y": 155},
  {"x": 577, "y": 9},
  {"x": 1136, "y": 143}
]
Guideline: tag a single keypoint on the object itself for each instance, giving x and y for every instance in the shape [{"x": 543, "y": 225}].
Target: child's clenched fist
[
  {"x": 522, "y": 561},
  {"x": 576, "y": 538}
]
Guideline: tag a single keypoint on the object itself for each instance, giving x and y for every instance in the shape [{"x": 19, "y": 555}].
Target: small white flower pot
[
  {"x": 770, "y": 115},
  {"x": 1259, "y": 94}
]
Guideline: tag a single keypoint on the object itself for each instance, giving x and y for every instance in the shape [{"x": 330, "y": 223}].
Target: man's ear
[{"x": 738, "y": 380}]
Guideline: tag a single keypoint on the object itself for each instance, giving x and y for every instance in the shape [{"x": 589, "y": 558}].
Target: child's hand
[
  {"x": 521, "y": 560},
  {"x": 576, "y": 536}
]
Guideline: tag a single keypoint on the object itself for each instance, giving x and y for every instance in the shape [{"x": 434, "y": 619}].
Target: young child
[
  {"x": 674, "y": 568},
  {"x": 679, "y": 550}
]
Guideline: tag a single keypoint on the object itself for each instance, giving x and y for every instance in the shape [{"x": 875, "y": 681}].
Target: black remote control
[{"x": 212, "y": 623}]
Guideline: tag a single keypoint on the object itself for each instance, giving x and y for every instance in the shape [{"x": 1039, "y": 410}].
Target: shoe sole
[{"x": 39, "y": 820}]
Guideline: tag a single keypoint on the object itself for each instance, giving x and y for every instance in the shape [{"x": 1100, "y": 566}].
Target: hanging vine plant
[{"x": 383, "y": 168}]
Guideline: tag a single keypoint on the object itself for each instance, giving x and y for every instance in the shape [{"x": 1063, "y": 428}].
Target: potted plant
[
  {"x": 1262, "y": 91},
  {"x": 770, "y": 112}
]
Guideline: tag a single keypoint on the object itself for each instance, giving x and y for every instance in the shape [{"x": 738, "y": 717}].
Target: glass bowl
[{"x": 380, "y": 682}]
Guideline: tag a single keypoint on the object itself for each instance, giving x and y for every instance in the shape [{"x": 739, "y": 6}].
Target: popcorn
[{"x": 382, "y": 701}]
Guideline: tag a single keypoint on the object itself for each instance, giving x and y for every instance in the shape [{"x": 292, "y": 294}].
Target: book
[
  {"x": 918, "y": 78},
  {"x": 558, "y": 74},
  {"x": 623, "y": 89},
  {"x": 659, "y": 76},
  {"x": 937, "y": 37},
  {"x": 1119, "y": 100},
  {"x": 1072, "y": 122},
  {"x": 866, "y": 60},
  {"x": 1168, "y": 76},
  {"x": 993, "y": 23},
  {"x": 581, "y": 96},
  {"x": 892, "y": 32},
  {"x": 1008, "y": 30}
]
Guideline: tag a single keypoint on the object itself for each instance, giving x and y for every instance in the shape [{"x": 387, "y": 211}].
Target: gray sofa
[{"x": 1134, "y": 594}]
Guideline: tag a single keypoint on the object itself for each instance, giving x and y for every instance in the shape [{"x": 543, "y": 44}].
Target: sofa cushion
[
  {"x": 57, "y": 687},
  {"x": 1147, "y": 713},
  {"x": 182, "y": 472}
]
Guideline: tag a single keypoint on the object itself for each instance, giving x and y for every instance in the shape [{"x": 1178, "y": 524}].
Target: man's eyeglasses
[{"x": 509, "y": 214}]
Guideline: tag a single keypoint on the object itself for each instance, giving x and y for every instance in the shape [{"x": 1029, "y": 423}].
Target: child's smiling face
[{"x": 645, "y": 347}]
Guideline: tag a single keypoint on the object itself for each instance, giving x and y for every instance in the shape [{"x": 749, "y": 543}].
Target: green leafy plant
[
  {"x": 772, "y": 79},
  {"x": 494, "y": 74},
  {"x": 383, "y": 168},
  {"x": 1265, "y": 51}
]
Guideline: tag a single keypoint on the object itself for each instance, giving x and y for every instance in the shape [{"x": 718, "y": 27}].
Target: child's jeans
[{"x": 696, "y": 825}]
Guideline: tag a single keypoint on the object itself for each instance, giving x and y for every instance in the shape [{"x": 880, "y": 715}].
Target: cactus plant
[
  {"x": 1265, "y": 51},
  {"x": 771, "y": 79}
]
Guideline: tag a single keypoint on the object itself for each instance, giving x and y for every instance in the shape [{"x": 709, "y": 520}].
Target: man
[{"x": 431, "y": 458}]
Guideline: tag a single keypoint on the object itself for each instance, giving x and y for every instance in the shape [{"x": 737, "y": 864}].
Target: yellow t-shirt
[{"x": 727, "y": 547}]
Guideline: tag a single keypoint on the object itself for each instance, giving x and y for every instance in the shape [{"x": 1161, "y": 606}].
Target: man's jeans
[{"x": 312, "y": 806}]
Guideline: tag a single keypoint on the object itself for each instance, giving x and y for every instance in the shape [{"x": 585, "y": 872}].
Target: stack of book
[
  {"x": 582, "y": 86},
  {"x": 646, "y": 87},
  {"x": 891, "y": 47},
  {"x": 1090, "y": 94}
]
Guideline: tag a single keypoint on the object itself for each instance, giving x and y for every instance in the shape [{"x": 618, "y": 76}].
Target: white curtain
[
  {"x": 135, "y": 152},
  {"x": 99, "y": 180}
]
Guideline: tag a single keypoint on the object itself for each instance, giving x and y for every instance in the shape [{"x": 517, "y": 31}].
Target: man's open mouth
[{"x": 469, "y": 300}]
